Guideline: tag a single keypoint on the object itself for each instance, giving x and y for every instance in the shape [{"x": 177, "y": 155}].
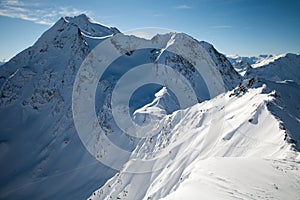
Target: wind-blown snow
[{"x": 240, "y": 178}]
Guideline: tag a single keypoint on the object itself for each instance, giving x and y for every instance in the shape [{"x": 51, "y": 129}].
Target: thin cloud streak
[
  {"x": 159, "y": 15},
  {"x": 183, "y": 7},
  {"x": 36, "y": 12}
]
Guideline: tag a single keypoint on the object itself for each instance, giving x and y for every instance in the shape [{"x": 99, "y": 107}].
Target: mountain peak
[
  {"x": 81, "y": 16},
  {"x": 90, "y": 27},
  {"x": 164, "y": 103}
]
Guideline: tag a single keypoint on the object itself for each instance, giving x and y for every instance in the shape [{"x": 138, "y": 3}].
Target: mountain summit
[{"x": 173, "y": 119}]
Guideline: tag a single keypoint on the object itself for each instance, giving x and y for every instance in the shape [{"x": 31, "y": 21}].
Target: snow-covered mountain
[
  {"x": 284, "y": 67},
  {"x": 223, "y": 136},
  {"x": 255, "y": 61},
  {"x": 243, "y": 64},
  {"x": 41, "y": 155}
]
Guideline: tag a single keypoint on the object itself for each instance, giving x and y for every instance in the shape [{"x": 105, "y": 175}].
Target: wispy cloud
[
  {"x": 36, "y": 12},
  {"x": 183, "y": 7},
  {"x": 159, "y": 15},
  {"x": 221, "y": 27}
]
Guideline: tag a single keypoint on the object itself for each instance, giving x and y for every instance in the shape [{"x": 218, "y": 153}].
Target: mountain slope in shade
[
  {"x": 241, "y": 67},
  {"x": 41, "y": 154}
]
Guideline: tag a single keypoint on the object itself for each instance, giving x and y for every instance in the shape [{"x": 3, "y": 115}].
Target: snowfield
[
  {"x": 240, "y": 178},
  {"x": 238, "y": 138}
]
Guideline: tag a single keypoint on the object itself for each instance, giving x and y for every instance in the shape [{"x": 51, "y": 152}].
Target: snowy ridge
[
  {"x": 90, "y": 27},
  {"x": 254, "y": 61},
  {"x": 282, "y": 76},
  {"x": 162, "y": 104},
  {"x": 243, "y": 64},
  {"x": 265, "y": 60},
  {"x": 250, "y": 134},
  {"x": 282, "y": 68}
]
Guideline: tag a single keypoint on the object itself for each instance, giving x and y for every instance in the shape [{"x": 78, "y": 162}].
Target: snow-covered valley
[{"x": 168, "y": 118}]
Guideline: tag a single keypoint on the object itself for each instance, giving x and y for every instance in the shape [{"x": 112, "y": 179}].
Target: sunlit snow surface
[{"x": 238, "y": 153}]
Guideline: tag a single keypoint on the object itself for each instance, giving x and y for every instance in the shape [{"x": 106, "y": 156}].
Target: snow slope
[
  {"x": 210, "y": 147},
  {"x": 240, "y": 178}
]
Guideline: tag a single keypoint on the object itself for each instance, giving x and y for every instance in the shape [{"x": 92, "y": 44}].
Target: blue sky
[{"x": 244, "y": 27}]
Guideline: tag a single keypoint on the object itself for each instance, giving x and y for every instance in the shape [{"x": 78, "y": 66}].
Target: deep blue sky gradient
[{"x": 244, "y": 27}]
